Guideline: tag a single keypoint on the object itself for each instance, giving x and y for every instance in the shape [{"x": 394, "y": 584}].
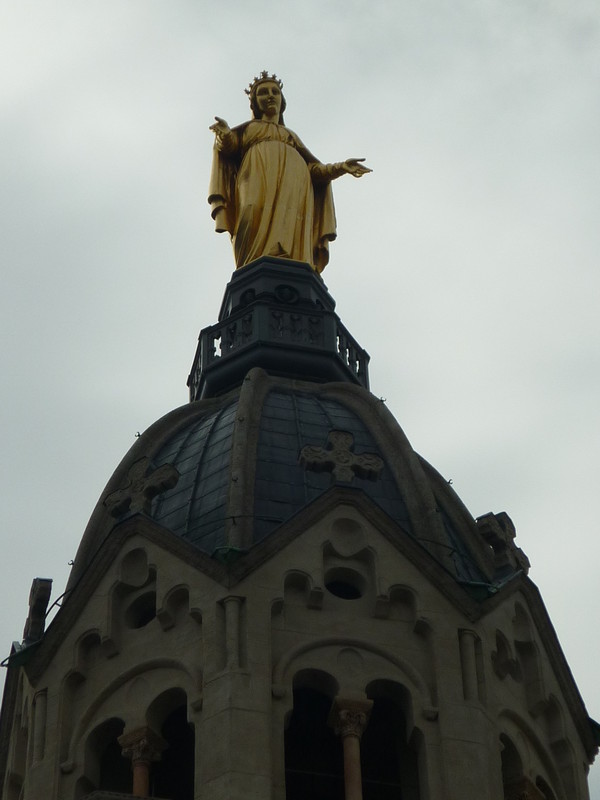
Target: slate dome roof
[
  {"x": 280, "y": 415},
  {"x": 240, "y": 475},
  {"x": 290, "y": 419}
]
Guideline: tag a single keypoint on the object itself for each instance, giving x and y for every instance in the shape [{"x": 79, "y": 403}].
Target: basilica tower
[{"x": 276, "y": 597}]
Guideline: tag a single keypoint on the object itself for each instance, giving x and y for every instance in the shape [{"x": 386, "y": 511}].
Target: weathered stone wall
[{"x": 478, "y": 679}]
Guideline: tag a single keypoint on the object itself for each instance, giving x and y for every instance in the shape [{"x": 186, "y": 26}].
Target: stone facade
[
  {"x": 151, "y": 630},
  {"x": 276, "y": 598}
]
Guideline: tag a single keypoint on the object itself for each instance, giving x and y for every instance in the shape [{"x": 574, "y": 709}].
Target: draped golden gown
[{"x": 272, "y": 195}]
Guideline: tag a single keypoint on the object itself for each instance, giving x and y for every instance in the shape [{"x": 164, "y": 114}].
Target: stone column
[
  {"x": 40, "y": 705},
  {"x": 142, "y": 746},
  {"x": 232, "y": 631},
  {"x": 349, "y": 719}
]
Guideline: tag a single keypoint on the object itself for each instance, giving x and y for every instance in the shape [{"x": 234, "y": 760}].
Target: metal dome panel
[
  {"x": 195, "y": 508},
  {"x": 289, "y": 422}
]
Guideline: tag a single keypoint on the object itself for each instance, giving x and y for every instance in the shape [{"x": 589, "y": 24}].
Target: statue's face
[{"x": 268, "y": 100}]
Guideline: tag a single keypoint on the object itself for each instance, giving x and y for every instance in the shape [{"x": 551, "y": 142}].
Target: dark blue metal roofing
[
  {"x": 466, "y": 569},
  {"x": 291, "y": 420},
  {"x": 195, "y": 508}
]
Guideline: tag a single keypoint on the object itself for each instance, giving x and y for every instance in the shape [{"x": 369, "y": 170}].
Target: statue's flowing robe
[{"x": 272, "y": 195}]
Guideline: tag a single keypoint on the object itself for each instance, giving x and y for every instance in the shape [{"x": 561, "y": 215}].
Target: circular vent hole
[{"x": 345, "y": 583}]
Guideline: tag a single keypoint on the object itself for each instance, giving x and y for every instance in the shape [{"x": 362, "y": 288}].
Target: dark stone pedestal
[{"x": 276, "y": 314}]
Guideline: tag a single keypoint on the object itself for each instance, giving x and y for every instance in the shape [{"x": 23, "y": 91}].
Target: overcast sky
[{"x": 466, "y": 264}]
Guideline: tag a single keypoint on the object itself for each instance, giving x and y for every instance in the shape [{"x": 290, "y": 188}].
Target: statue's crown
[{"x": 263, "y": 78}]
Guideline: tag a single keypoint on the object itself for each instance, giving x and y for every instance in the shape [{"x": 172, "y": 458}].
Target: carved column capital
[
  {"x": 142, "y": 744},
  {"x": 349, "y": 717}
]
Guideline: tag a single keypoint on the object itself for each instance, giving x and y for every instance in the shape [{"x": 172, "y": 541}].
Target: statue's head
[{"x": 264, "y": 82}]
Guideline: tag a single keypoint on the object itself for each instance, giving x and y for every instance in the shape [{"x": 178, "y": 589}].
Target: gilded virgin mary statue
[{"x": 268, "y": 190}]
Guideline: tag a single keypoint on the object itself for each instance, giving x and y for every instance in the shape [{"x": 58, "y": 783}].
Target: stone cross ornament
[
  {"x": 339, "y": 459},
  {"x": 143, "y": 484},
  {"x": 267, "y": 190}
]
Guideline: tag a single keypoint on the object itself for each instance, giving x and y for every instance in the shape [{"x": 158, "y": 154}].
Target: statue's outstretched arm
[
  {"x": 225, "y": 138},
  {"x": 329, "y": 172},
  {"x": 354, "y": 166}
]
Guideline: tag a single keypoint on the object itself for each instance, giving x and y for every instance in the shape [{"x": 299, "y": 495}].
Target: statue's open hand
[
  {"x": 354, "y": 166},
  {"x": 220, "y": 127}
]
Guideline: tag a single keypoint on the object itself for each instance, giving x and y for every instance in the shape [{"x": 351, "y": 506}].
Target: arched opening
[
  {"x": 89, "y": 652},
  {"x": 546, "y": 791},
  {"x": 314, "y": 763},
  {"x": 176, "y": 608},
  {"x": 105, "y": 766},
  {"x": 141, "y": 611},
  {"x": 347, "y": 575},
  {"x": 402, "y": 604},
  {"x": 389, "y": 761},
  {"x": 503, "y": 660},
  {"x": 345, "y": 583},
  {"x": 512, "y": 768},
  {"x": 115, "y": 770},
  {"x": 173, "y": 775},
  {"x": 133, "y": 605}
]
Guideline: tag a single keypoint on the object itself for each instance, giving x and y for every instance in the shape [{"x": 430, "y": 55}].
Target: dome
[
  {"x": 244, "y": 464},
  {"x": 280, "y": 416}
]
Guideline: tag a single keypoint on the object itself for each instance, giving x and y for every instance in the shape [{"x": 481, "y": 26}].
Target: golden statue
[{"x": 267, "y": 190}]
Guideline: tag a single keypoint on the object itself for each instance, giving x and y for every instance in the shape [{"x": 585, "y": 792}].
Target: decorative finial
[{"x": 263, "y": 78}]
